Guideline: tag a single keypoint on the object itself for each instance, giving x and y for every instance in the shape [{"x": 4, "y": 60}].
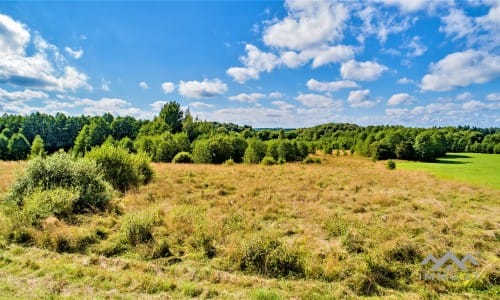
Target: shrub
[
  {"x": 229, "y": 162},
  {"x": 42, "y": 204},
  {"x": 122, "y": 169},
  {"x": 268, "y": 161},
  {"x": 138, "y": 228},
  {"x": 217, "y": 149},
  {"x": 19, "y": 147},
  {"x": 311, "y": 160},
  {"x": 60, "y": 170},
  {"x": 391, "y": 165},
  {"x": 255, "y": 151},
  {"x": 183, "y": 158},
  {"x": 37, "y": 148},
  {"x": 270, "y": 258}
]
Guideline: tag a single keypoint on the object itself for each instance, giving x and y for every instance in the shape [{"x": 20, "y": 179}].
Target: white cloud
[
  {"x": 462, "y": 69},
  {"x": 241, "y": 74},
  {"x": 255, "y": 61},
  {"x": 204, "y": 89},
  {"x": 158, "y": 105},
  {"x": 362, "y": 71},
  {"x": 105, "y": 85},
  {"x": 418, "y": 49},
  {"x": 325, "y": 55},
  {"x": 331, "y": 86},
  {"x": 250, "y": 98},
  {"x": 168, "y": 87},
  {"x": 283, "y": 105},
  {"x": 407, "y": 5},
  {"x": 276, "y": 95},
  {"x": 380, "y": 24},
  {"x": 318, "y": 101},
  {"x": 76, "y": 54},
  {"x": 117, "y": 106},
  {"x": 405, "y": 80},
  {"x": 308, "y": 24},
  {"x": 46, "y": 68},
  {"x": 199, "y": 104},
  {"x": 14, "y": 36},
  {"x": 457, "y": 24},
  {"x": 25, "y": 95},
  {"x": 493, "y": 97},
  {"x": 143, "y": 85},
  {"x": 464, "y": 96},
  {"x": 401, "y": 98},
  {"x": 360, "y": 99}
]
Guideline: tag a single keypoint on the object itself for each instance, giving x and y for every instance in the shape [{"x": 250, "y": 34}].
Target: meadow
[
  {"x": 472, "y": 168},
  {"x": 345, "y": 228}
]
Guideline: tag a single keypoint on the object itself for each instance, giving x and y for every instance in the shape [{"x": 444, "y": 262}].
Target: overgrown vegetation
[{"x": 345, "y": 228}]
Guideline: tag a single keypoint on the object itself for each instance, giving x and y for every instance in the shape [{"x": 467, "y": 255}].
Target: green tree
[
  {"x": 4, "y": 150},
  {"x": 255, "y": 151},
  {"x": 37, "y": 147},
  {"x": 18, "y": 147},
  {"x": 172, "y": 115}
]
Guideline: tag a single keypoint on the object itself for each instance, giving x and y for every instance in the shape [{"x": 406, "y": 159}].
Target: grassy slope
[
  {"x": 473, "y": 168},
  {"x": 323, "y": 211}
]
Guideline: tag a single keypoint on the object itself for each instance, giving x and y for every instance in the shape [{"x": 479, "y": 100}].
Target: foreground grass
[
  {"x": 356, "y": 228},
  {"x": 472, "y": 168}
]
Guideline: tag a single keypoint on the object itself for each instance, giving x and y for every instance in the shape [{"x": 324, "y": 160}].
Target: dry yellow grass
[{"x": 339, "y": 215}]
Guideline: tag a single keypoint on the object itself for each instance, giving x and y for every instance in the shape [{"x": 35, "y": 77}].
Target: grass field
[
  {"x": 345, "y": 228},
  {"x": 472, "y": 168}
]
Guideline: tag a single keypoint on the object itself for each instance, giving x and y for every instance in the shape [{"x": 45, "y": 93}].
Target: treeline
[{"x": 174, "y": 135}]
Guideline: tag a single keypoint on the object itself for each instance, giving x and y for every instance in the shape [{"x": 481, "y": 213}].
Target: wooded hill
[{"x": 175, "y": 131}]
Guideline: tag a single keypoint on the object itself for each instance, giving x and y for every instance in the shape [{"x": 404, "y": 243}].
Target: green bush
[
  {"x": 18, "y": 147},
  {"x": 268, "y": 161},
  {"x": 122, "y": 169},
  {"x": 42, "y": 204},
  {"x": 255, "y": 151},
  {"x": 311, "y": 160},
  {"x": 137, "y": 228},
  {"x": 216, "y": 149},
  {"x": 183, "y": 158},
  {"x": 391, "y": 165},
  {"x": 61, "y": 170},
  {"x": 270, "y": 258}
]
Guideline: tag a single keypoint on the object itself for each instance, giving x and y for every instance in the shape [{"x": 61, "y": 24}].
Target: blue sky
[{"x": 263, "y": 63}]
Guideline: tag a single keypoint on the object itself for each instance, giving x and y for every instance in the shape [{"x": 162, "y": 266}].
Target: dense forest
[{"x": 174, "y": 135}]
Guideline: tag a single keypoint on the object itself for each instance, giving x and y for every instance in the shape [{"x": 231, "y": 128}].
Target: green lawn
[{"x": 474, "y": 168}]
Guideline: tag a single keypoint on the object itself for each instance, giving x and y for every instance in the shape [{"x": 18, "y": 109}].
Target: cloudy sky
[{"x": 267, "y": 64}]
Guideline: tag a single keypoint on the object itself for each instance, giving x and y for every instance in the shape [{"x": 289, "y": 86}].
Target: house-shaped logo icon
[{"x": 450, "y": 257}]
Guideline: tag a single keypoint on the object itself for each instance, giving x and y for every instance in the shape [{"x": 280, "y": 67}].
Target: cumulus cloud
[
  {"x": 283, "y": 105},
  {"x": 405, "y": 80},
  {"x": 308, "y": 24},
  {"x": 362, "y": 71},
  {"x": 318, "y": 101},
  {"x": 202, "y": 89},
  {"x": 255, "y": 61},
  {"x": 168, "y": 87},
  {"x": 461, "y": 69},
  {"x": 360, "y": 99},
  {"x": 457, "y": 24},
  {"x": 25, "y": 95},
  {"x": 249, "y": 98},
  {"x": 200, "y": 104},
  {"x": 76, "y": 54},
  {"x": 380, "y": 24},
  {"x": 143, "y": 85},
  {"x": 45, "y": 69},
  {"x": 330, "y": 86},
  {"x": 310, "y": 32},
  {"x": 493, "y": 97},
  {"x": 276, "y": 95},
  {"x": 402, "y": 98}
]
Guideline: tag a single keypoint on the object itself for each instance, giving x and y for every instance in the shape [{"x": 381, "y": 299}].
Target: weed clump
[
  {"x": 183, "y": 158},
  {"x": 40, "y": 205},
  {"x": 137, "y": 228},
  {"x": 311, "y": 160},
  {"x": 270, "y": 258}
]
